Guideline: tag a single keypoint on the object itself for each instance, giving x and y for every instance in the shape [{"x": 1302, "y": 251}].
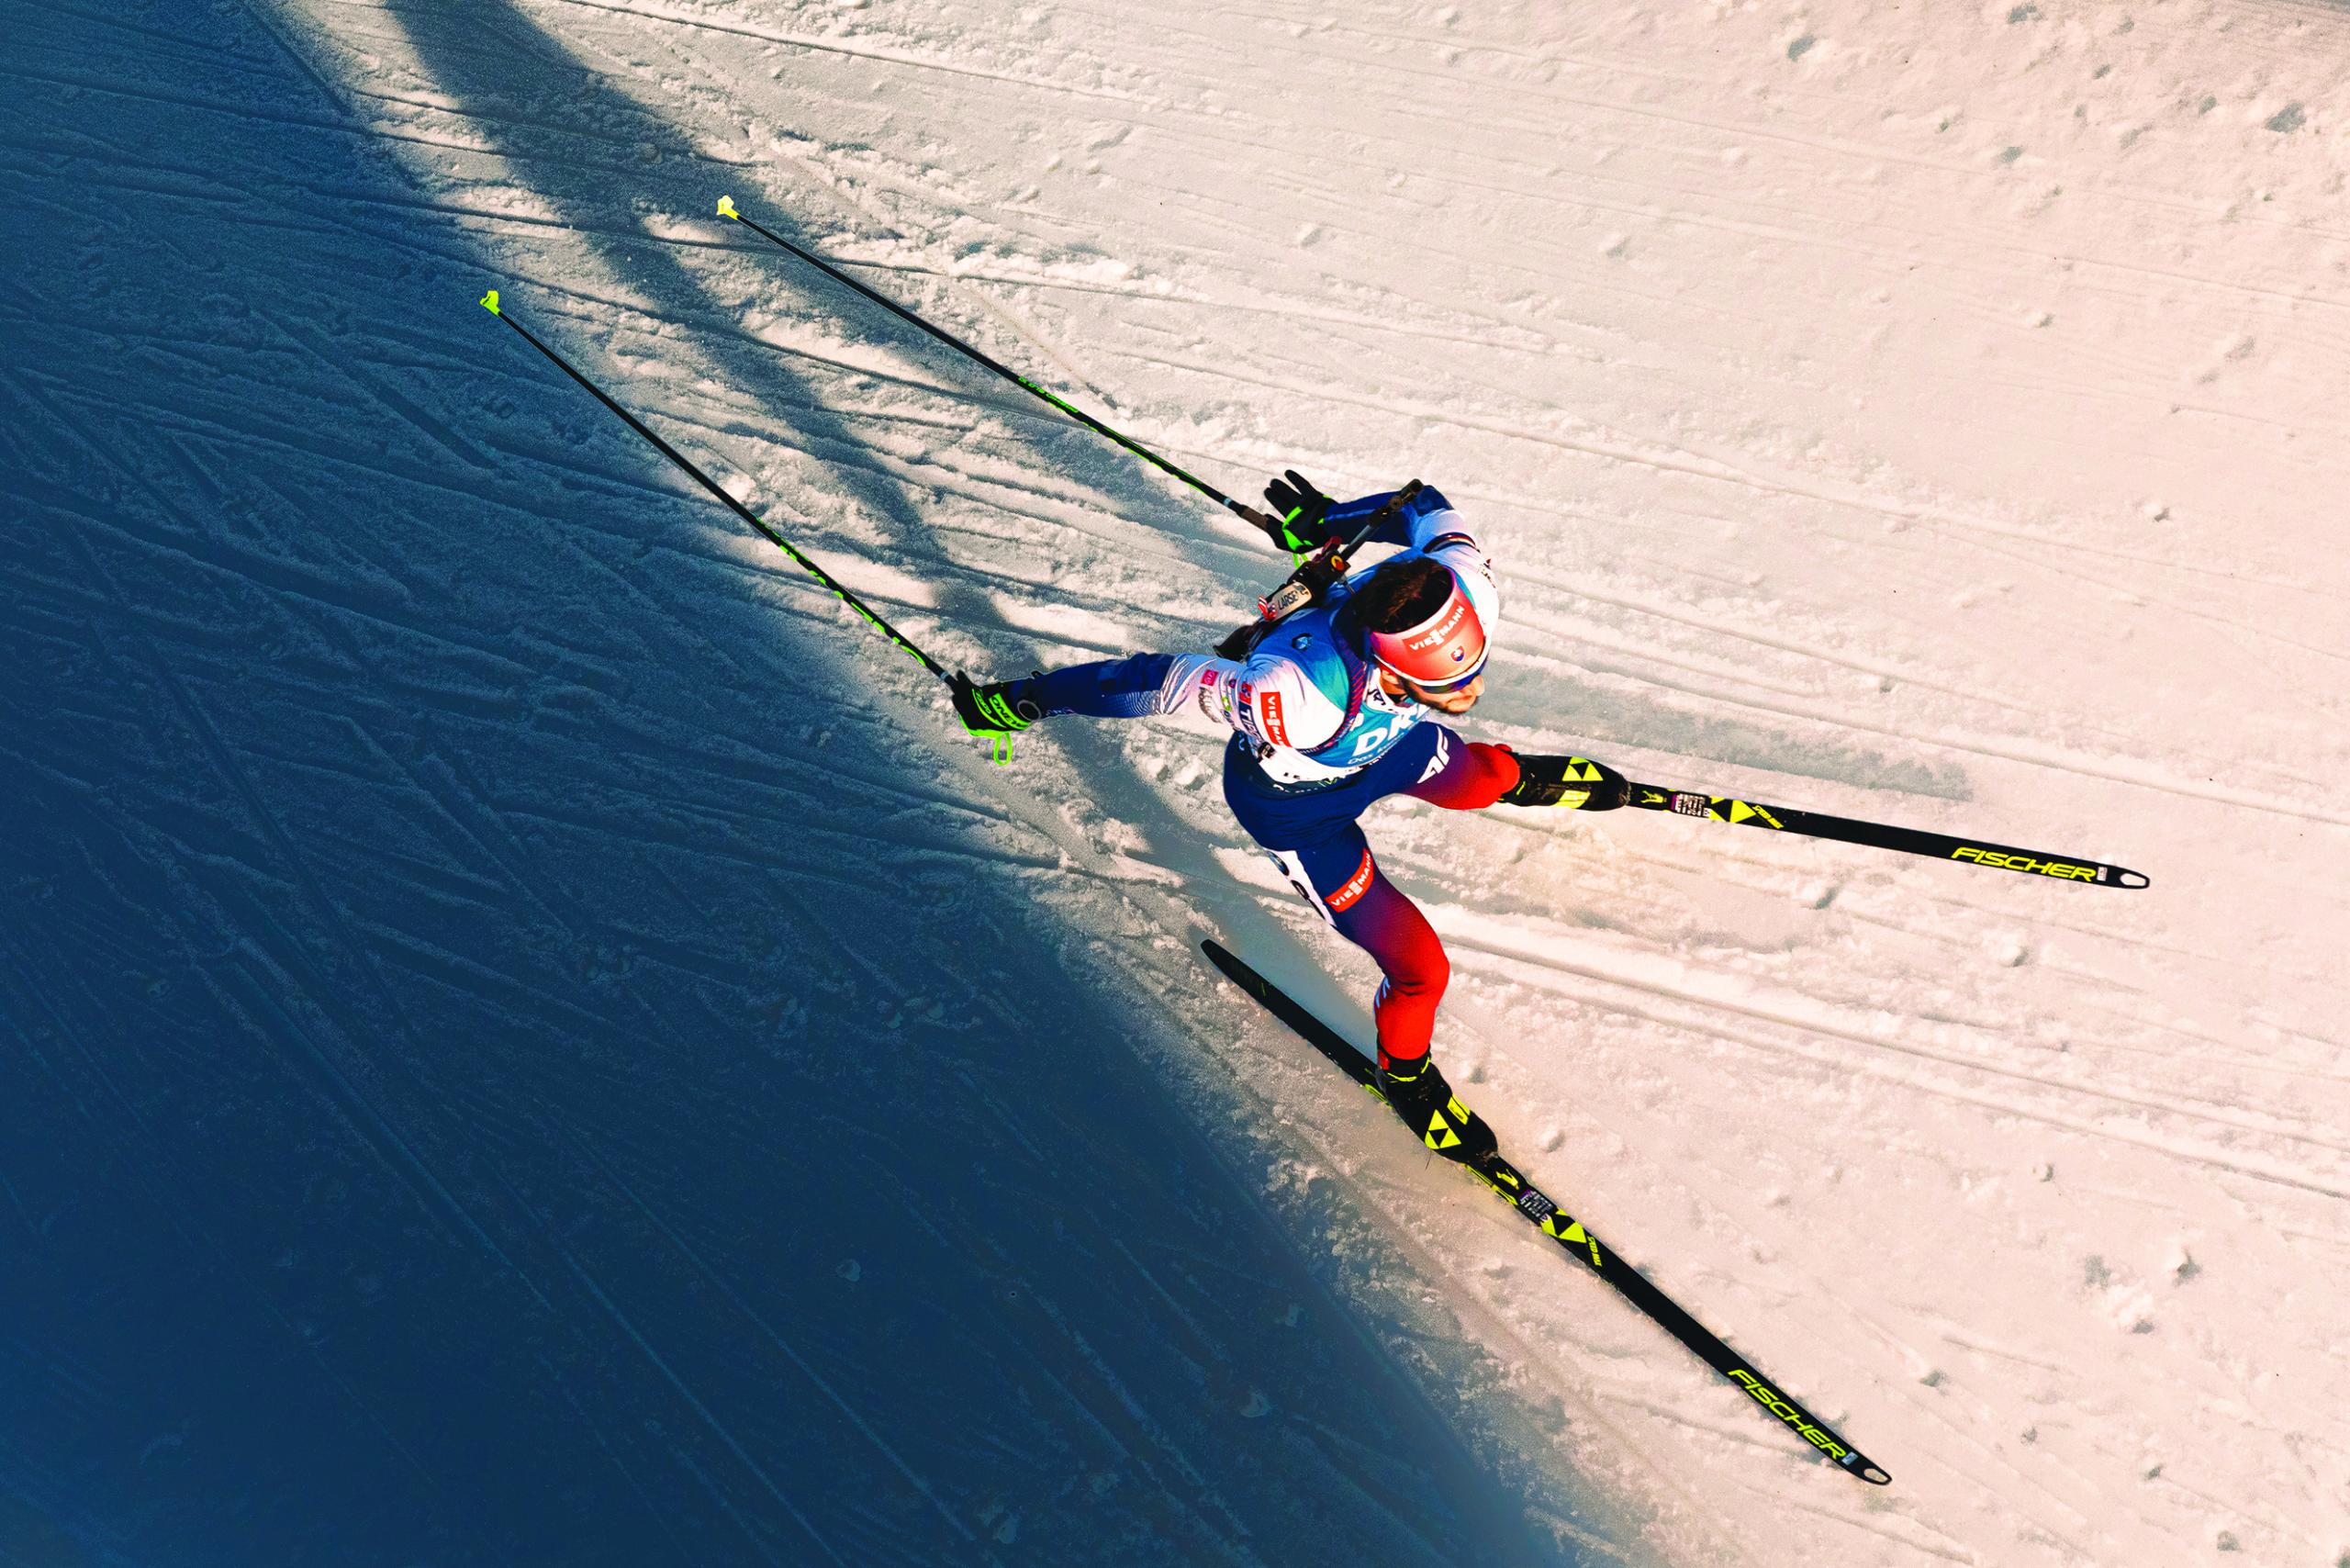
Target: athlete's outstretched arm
[
  {"x": 1268, "y": 699},
  {"x": 1139, "y": 687}
]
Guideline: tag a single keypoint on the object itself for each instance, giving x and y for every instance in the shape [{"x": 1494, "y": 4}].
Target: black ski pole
[
  {"x": 490, "y": 303},
  {"x": 1883, "y": 835},
  {"x": 1255, "y": 519}
]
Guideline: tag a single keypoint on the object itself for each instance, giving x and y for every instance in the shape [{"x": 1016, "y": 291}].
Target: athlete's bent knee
[{"x": 1477, "y": 775}]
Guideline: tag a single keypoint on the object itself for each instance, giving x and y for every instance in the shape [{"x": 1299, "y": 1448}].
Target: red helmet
[{"x": 1446, "y": 650}]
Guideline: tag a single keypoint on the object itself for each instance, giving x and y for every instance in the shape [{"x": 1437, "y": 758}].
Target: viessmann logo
[
  {"x": 1442, "y": 633},
  {"x": 1354, "y": 887},
  {"x": 1269, "y": 703}
]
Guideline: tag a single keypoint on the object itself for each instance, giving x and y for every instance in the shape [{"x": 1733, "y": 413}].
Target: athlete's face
[{"x": 1459, "y": 699}]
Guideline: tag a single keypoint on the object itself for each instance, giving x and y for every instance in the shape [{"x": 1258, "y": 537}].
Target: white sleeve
[
  {"x": 1442, "y": 535},
  {"x": 1201, "y": 692},
  {"x": 1268, "y": 699}
]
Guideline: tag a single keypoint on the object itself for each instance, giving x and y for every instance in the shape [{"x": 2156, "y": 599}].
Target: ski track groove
[
  {"x": 443, "y": 964},
  {"x": 176, "y": 41},
  {"x": 393, "y": 605},
  {"x": 1287, "y": 311},
  {"x": 443, "y": 798},
  {"x": 257, "y": 11},
  {"x": 985, "y": 490},
  {"x": 410, "y": 1163},
  {"x": 1883, "y": 669},
  {"x": 1554, "y": 632},
  {"x": 807, "y": 1370},
  {"x": 857, "y": 459},
  {"x": 836, "y": 46},
  {"x": 647, "y": 123},
  {"x": 223, "y": 197},
  {"x": 1722, "y": 470},
  {"x": 1774, "y": 1500},
  {"x": 1996, "y": 1030},
  {"x": 2282, "y": 1177},
  {"x": 2041, "y": 756},
  {"x": 301, "y": 333},
  {"x": 158, "y": 1165},
  {"x": 115, "y": 88},
  {"x": 685, "y": 1391}
]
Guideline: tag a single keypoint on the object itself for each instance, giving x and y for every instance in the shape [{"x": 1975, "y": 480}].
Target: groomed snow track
[{"x": 526, "y": 1035}]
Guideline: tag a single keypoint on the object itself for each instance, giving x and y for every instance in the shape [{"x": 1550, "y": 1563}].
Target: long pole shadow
[
  {"x": 567, "y": 163},
  {"x": 574, "y": 159}
]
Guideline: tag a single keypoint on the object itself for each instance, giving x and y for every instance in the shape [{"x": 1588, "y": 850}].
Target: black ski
[
  {"x": 1883, "y": 836},
  {"x": 1539, "y": 1209}
]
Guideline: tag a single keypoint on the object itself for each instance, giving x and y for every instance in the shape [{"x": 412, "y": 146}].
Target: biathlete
[{"x": 1332, "y": 708}]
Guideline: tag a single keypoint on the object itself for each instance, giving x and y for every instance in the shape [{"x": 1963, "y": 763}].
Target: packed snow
[{"x": 530, "y": 1035}]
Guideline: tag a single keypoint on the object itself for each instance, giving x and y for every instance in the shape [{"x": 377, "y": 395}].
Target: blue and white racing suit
[{"x": 1315, "y": 741}]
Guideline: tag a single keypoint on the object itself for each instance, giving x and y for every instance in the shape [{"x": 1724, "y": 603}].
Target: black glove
[
  {"x": 1299, "y": 509},
  {"x": 1576, "y": 783},
  {"x": 996, "y": 712}
]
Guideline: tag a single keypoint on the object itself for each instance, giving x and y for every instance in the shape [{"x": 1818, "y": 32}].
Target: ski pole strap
[
  {"x": 726, "y": 208},
  {"x": 988, "y": 712},
  {"x": 490, "y": 303},
  {"x": 1883, "y": 835}
]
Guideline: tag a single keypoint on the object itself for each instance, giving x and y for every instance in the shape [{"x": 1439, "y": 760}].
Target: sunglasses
[{"x": 1448, "y": 688}]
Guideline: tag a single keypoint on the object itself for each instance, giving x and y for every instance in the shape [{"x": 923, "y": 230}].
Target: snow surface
[{"x": 532, "y": 1038}]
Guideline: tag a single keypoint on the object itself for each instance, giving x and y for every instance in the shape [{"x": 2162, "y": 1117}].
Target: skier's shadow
[
  {"x": 578, "y": 155},
  {"x": 597, "y": 157},
  {"x": 600, "y": 159}
]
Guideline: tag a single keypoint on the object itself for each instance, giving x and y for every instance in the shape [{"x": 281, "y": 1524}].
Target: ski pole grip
[
  {"x": 1337, "y": 559},
  {"x": 1304, "y": 586}
]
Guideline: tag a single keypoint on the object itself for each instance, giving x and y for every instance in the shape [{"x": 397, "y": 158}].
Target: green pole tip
[
  {"x": 726, "y": 208},
  {"x": 490, "y": 303}
]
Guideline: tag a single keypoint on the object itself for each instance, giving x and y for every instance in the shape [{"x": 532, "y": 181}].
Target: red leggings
[{"x": 1372, "y": 912}]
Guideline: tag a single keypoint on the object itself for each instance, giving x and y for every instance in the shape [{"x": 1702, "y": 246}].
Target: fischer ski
[
  {"x": 1539, "y": 1209},
  {"x": 1880, "y": 835}
]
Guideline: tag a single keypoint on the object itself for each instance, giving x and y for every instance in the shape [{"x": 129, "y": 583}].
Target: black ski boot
[
  {"x": 1572, "y": 783},
  {"x": 1420, "y": 1096}
]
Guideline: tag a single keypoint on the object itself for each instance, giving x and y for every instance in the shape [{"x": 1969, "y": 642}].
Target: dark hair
[
  {"x": 1395, "y": 597},
  {"x": 1399, "y": 595}
]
